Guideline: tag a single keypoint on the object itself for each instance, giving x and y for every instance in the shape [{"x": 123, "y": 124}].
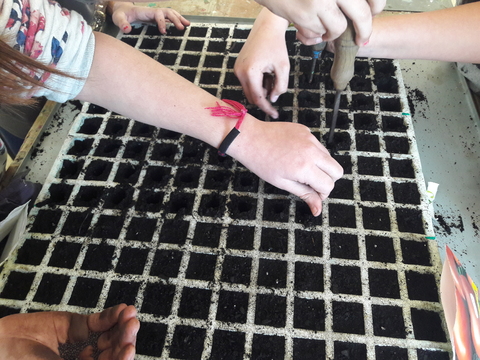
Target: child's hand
[{"x": 125, "y": 13}]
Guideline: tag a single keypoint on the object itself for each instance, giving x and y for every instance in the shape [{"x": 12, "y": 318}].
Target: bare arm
[{"x": 447, "y": 35}]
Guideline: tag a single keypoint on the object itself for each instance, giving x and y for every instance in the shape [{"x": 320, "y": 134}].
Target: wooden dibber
[{"x": 343, "y": 68}]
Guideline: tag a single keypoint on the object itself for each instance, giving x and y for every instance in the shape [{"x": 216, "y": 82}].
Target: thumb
[{"x": 312, "y": 198}]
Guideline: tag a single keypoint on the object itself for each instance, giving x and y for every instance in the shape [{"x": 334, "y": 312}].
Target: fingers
[
  {"x": 106, "y": 319},
  {"x": 160, "y": 20},
  {"x": 308, "y": 37},
  {"x": 253, "y": 86},
  {"x": 360, "y": 13},
  {"x": 123, "y": 334},
  {"x": 377, "y": 6},
  {"x": 120, "y": 19}
]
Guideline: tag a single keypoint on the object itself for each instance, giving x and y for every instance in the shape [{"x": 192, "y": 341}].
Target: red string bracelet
[{"x": 231, "y": 113}]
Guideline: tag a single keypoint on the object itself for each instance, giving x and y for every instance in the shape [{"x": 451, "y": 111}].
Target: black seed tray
[{"x": 220, "y": 264}]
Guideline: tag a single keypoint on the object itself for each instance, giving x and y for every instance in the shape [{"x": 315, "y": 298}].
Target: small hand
[
  {"x": 262, "y": 66},
  {"x": 124, "y": 13},
  {"x": 39, "y": 335},
  {"x": 325, "y": 20},
  {"x": 288, "y": 156}
]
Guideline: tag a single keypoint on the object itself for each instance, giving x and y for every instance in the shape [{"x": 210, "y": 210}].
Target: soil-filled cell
[
  {"x": 423, "y": 354},
  {"x": 360, "y": 84},
  {"x": 131, "y": 261},
  {"x": 58, "y": 194},
  {"x": 166, "y": 263},
  {"x": 421, "y": 286},
  {"x": 116, "y": 127},
  {"x": 383, "y": 283},
  {"x": 270, "y": 310},
  {"x": 142, "y": 130},
  {"x": 366, "y": 142},
  {"x": 201, "y": 267},
  {"x": 32, "y": 252},
  {"x": 361, "y": 68},
  {"x": 388, "y": 321},
  {"x": 410, "y": 220},
  {"x": 88, "y": 196},
  {"x": 71, "y": 169},
  {"x": 17, "y": 285},
  {"x": 96, "y": 109},
  {"x": 86, "y": 292},
  {"x": 80, "y": 147},
  {"x": 232, "y": 307},
  {"x": 217, "y": 46},
  {"x": 90, "y": 126},
  {"x": 390, "y": 353},
  {"x": 390, "y": 104},
  {"x": 158, "y": 299},
  {"x": 343, "y": 121},
  {"x": 240, "y": 33},
  {"x": 64, "y": 255},
  {"x": 415, "y": 252},
  {"x": 217, "y": 179},
  {"x": 370, "y": 166},
  {"x": 234, "y": 94},
  {"x": 268, "y": 347},
  {"x": 193, "y": 45},
  {"x": 98, "y": 170},
  {"x": 308, "y": 277},
  {"x": 341, "y": 141},
  {"x": 167, "y": 58},
  {"x": 212, "y": 205},
  {"x": 304, "y": 216},
  {"x": 135, "y": 150},
  {"x": 364, "y": 121},
  {"x": 343, "y": 189},
  {"x": 362, "y": 102},
  {"x": 349, "y": 350},
  {"x": 193, "y": 152},
  {"x": 308, "y": 99},
  {"x": 245, "y": 181},
  {"x": 309, "y": 314},
  {"x": 108, "y": 226},
  {"x": 151, "y": 338},
  {"x": 330, "y": 101},
  {"x": 346, "y": 280},
  {"x": 235, "y": 47},
  {"x": 308, "y": 349},
  {"x": 274, "y": 240},
  {"x": 427, "y": 325},
  {"x": 130, "y": 41},
  {"x": 213, "y": 61},
  {"x": 187, "y": 74},
  {"x": 309, "y": 118},
  {"x": 122, "y": 292},
  {"x": 406, "y": 193},
  {"x": 171, "y": 44},
  {"x": 376, "y": 218},
  {"x": 51, "y": 288},
  {"x": 210, "y": 77},
  {"x": 393, "y": 124},
  {"x": 345, "y": 162},
  {"x": 141, "y": 229},
  {"x": 149, "y": 44},
  {"x": 77, "y": 223},
  {"x": 224, "y": 162},
  {"x": 195, "y": 303},
  {"x": 198, "y": 32},
  {"x": 384, "y": 67},
  {"x": 236, "y": 270},
  {"x": 207, "y": 234},
  {"x": 228, "y": 345},
  {"x": 149, "y": 200},
  {"x": 218, "y": 32},
  {"x": 309, "y": 243},
  {"x": 242, "y": 207},
  {"x": 180, "y": 203},
  {"x": 98, "y": 258},
  {"x": 344, "y": 246},
  {"x": 276, "y": 210},
  {"x": 46, "y": 221},
  {"x": 127, "y": 173},
  {"x": 174, "y": 232},
  {"x": 190, "y": 60},
  {"x": 272, "y": 273},
  {"x": 168, "y": 134},
  {"x": 397, "y": 145},
  {"x": 231, "y": 80},
  {"x": 164, "y": 152},
  {"x": 187, "y": 177},
  {"x": 156, "y": 176},
  {"x": 380, "y": 248},
  {"x": 340, "y": 215},
  {"x": 386, "y": 84},
  {"x": 373, "y": 191},
  {"x": 348, "y": 317}
]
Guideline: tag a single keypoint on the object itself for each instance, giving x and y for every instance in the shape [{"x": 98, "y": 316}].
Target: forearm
[
  {"x": 448, "y": 35},
  {"x": 130, "y": 83},
  {"x": 268, "y": 22}
]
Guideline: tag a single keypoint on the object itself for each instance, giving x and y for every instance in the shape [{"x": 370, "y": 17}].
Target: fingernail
[
  {"x": 366, "y": 43},
  {"x": 274, "y": 98},
  {"x": 125, "y": 27},
  {"x": 318, "y": 40}
]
